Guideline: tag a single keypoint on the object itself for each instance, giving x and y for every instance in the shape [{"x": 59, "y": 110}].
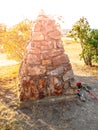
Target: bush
[
  {"x": 14, "y": 39},
  {"x": 88, "y": 39}
]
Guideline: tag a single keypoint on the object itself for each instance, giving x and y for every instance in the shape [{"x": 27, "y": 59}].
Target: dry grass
[
  {"x": 8, "y": 94},
  {"x": 11, "y": 118}
]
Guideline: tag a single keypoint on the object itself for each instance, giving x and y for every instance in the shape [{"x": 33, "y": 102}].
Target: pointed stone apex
[{"x": 42, "y": 13}]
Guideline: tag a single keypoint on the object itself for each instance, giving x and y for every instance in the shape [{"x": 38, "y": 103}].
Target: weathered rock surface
[{"x": 46, "y": 69}]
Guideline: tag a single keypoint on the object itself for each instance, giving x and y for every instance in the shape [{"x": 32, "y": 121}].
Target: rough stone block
[
  {"x": 37, "y": 27},
  {"x": 34, "y": 59},
  {"x": 68, "y": 75},
  {"x": 55, "y": 34},
  {"x": 36, "y": 51},
  {"x": 46, "y": 62},
  {"x": 36, "y": 70},
  {"x": 67, "y": 67},
  {"x": 46, "y": 55},
  {"x": 58, "y": 60},
  {"x": 59, "y": 44},
  {"x": 58, "y": 71},
  {"x": 56, "y": 52},
  {"x": 37, "y": 36}
]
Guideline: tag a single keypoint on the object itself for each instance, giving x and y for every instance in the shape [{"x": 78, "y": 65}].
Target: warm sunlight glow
[{"x": 13, "y": 11}]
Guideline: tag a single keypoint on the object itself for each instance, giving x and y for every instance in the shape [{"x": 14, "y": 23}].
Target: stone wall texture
[{"x": 46, "y": 69}]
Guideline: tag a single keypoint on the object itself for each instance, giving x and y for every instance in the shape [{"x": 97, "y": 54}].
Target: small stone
[
  {"x": 67, "y": 67},
  {"x": 55, "y": 34},
  {"x": 46, "y": 45},
  {"x": 36, "y": 70},
  {"x": 46, "y": 55},
  {"x": 68, "y": 75},
  {"x": 34, "y": 59},
  {"x": 58, "y": 60},
  {"x": 58, "y": 71},
  {"x": 44, "y": 48},
  {"x": 37, "y": 36},
  {"x": 59, "y": 44},
  {"x": 37, "y": 27},
  {"x": 46, "y": 62},
  {"x": 35, "y": 51},
  {"x": 56, "y": 81},
  {"x": 50, "y": 44},
  {"x": 56, "y": 52}
]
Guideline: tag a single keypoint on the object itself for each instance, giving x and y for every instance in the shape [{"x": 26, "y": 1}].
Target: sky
[{"x": 14, "y": 11}]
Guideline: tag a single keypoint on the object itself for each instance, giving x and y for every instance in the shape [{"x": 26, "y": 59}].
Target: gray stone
[
  {"x": 56, "y": 81},
  {"x": 59, "y": 70},
  {"x": 36, "y": 70},
  {"x": 68, "y": 75}
]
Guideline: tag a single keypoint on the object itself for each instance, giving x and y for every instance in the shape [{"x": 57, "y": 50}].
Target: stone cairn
[{"x": 45, "y": 69}]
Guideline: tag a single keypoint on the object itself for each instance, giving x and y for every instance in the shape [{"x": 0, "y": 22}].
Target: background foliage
[
  {"x": 14, "y": 39},
  {"x": 88, "y": 39}
]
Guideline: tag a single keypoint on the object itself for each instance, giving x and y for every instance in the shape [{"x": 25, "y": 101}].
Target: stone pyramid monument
[{"x": 46, "y": 69}]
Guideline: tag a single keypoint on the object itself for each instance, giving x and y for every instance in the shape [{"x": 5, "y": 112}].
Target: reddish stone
[
  {"x": 47, "y": 38},
  {"x": 60, "y": 60},
  {"x": 43, "y": 43},
  {"x": 59, "y": 44},
  {"x": 67, "y": 67},
  {"x": 34, "y": 92},
  {"x": 37, "y": 36},
  {"x": 41, "y": 84},
  {"x": 46, "y": 55},
  {"x": 55, "y": 34},
  {"x": 50, "y": 22},
  {"x": 46, "y": 45},
  {"x": 34, "y": 59},
  {"x": 29, "y": 46},
  {"x": 46, "y": 62},
  {"x": 22, "y": 96},
  {"x": 42, "y": 88},
  {"x": 37, "y": 27},
  {"x": 36, "y": 51},
  {"x": 44, "y": 48},
  {"x": 56, "y": 52},
  {"x": 27, "y": 91},
  {"x": 50, "y": 45},
  {"x": 49, "y": 28},
  {"x": 54, "y": 44},
  {"x": 49, "y": 68},
  {"x": 58, "y": 92},
  {"x": 36, "y": 70},
  {"x": 36, "y": 44}
]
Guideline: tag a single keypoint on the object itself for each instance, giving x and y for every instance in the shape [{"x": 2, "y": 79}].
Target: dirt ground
[{"x": 51, "y": 114}]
